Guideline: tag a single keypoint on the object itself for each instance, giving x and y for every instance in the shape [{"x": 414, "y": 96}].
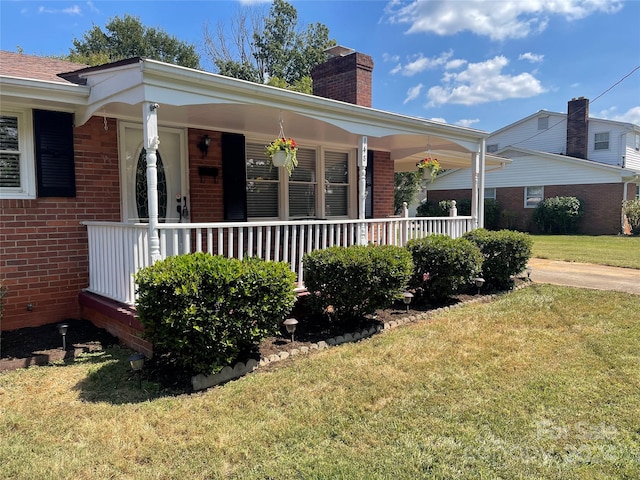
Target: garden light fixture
[
  {"x": 291, "y": 324},
  {"x": 62, "y": 329},
  {"x": 479, "y": 282},
  {"x": 406, "y": 298}
]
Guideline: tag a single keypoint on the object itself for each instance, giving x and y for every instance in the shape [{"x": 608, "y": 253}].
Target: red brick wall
[
  {"x": 206, "y": 192},
  {"x": 602, "y": 206},
  {"x": 383, "y": 183},
  {"x": 347, "y": 79},
  {"x": 43, "y": 247}
]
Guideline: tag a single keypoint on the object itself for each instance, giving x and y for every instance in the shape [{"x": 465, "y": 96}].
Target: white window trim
[
  {"x": 493, "y": 197},
  {"x": 526, "y": 196},
  {"x": 608, "y": 142},
  {"x": 27, "y": 189}
]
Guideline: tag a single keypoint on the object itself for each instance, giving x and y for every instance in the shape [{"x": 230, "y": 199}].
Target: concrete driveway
[{"x": 585, "y": 275}]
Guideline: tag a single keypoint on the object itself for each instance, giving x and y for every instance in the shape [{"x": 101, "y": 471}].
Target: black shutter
[
  {"x": 53, "y": 133},
  {"x": 234, "y": 178},
  {"x": 368, "y": 204}
]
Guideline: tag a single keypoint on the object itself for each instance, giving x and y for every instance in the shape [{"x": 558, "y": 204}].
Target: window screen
[
  {"x": 303, "y": 184},
  {"x": 336, "y": 187},
  {"x": 262, "y": 183},
  {"x": 9, "y": 152}
]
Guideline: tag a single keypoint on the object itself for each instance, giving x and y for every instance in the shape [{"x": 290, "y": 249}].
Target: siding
[
  {"x": 526, "y": 135},
  {"x": 529, "y": 170}
]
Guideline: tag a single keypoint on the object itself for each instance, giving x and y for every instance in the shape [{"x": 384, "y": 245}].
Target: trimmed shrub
[
  {"x": 631, "y": 208},
  {"x": 204, "y": 310},
  {"x": 442, "y": 264},
  {"x": 505, "y": 253},
  {"x": 428, "y": 209},
  {"x": 558, "y": 215},
  {"x": 356, "y": 280}
]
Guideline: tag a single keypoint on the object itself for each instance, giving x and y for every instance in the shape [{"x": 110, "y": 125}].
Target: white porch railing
[{"x": 118, "y": 250}]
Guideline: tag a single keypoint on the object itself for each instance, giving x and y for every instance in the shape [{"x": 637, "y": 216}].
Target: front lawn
[
  {"x": 541, "y": 383},
  {"x": 616, "y": 251}
]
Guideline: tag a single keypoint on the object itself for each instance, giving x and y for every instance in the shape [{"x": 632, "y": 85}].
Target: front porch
[{"x": 118, "y": 250}]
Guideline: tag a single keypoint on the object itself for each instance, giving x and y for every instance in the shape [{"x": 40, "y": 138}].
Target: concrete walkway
[{"x": 585, "y": 275}]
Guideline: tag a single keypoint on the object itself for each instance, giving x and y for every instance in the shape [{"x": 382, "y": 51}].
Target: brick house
[
  {"x": 106, "y": 169},
  {"x": 554, "y": 154}
]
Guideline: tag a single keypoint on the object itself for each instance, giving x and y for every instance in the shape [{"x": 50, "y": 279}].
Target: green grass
[
  {"x": 541, "y": 383},
  {"x": 617, "y": 251}
]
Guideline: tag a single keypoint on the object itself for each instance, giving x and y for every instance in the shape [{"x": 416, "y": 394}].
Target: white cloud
[
  {"x": 498, "y": 20},
  {"x": 387, "y": 57},
  {"x": 74, "y": 10},
  {"x": 630, "y": 116},
  {"x": 467, "y": 122},
  {"x": 438, "y": 119},
  {"x": 413, "y": 93},
  {"x": 483, "y": 82},
  {"x": 531, "y": 57},
  {"x": 419, "y": 63}
]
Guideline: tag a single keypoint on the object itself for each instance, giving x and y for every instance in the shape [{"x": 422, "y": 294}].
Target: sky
[{"x": 475, "y": 63}]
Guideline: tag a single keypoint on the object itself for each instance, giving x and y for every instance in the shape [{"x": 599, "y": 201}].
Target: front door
[{"x": 172, "y": 184}]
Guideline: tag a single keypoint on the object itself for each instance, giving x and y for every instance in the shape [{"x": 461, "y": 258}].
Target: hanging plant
[
  {"x": 429, "y": 166},
  {"x": 283, "y": 153}
]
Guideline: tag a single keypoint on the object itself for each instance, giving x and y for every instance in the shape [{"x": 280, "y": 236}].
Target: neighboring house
[
  {"x": 555, "y": 154},
  {"x": 105, "y": 169}
]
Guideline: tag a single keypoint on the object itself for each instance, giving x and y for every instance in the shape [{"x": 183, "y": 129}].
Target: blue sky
[{"x": 482, "y": 64}]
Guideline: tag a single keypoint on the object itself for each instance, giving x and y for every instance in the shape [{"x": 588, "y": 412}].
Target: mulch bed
[{"x": 43, "y": 345}]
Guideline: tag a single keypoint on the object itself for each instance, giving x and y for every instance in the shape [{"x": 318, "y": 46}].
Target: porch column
[
  {"x": 362, "y": 190},
  {"x": 481, "y": 168},
  {"x": 474, "y": 188},
  {"x": 151, "y": 142}
]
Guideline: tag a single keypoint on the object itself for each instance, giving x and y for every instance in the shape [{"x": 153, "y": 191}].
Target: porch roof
[{"x": 205, "y": 100}]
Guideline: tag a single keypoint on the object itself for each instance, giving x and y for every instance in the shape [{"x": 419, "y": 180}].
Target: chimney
[
  {"x": 345, "y": 76},
  {"x": 578, "y": 127}
]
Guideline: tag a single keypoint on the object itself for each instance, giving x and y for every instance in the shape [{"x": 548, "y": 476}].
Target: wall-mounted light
[{"x": 203, "y": 146}]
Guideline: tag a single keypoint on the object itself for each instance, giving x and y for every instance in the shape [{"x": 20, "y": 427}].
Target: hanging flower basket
[
  {"x": 429, "y": 167},
  {"x": 283, "y": 153}
]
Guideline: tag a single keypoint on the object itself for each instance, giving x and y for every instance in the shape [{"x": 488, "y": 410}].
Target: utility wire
[{"x": 581, "y": 108}]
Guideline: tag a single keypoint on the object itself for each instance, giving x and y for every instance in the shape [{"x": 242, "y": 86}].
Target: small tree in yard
[{"x": 631, "y": 209}]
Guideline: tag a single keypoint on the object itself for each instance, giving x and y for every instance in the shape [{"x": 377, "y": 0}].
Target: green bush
[
  {"x": 204, "y": 310},
  {"x": 492, "y": 211},
  {"x": 442, "y": 264},
  {"x": 505, "y": 253},
  {"x": 356, "y": 280},
  {"x": 631, "y": 209},
  {"x": 428, "y": 209},
  {"x": 558, "y": 215}
]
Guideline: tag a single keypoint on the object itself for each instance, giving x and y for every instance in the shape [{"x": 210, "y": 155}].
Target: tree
[
  {"x": 269, "y": 48},
  {"x": 406, "y": 188},
  {"x": 125, "y": 38}
]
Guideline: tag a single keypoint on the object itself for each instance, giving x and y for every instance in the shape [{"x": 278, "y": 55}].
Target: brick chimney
[
  {"x": 578, "y": 127},
  {"x": 345, "y": 76}
]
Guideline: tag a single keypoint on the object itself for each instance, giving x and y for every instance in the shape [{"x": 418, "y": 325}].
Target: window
[
  {"x": 543, "y": 123},
  {"x": 638, "y": 192},
  {"x": 490, "y": 193},
  {"x": 637, "y": 141},
  {"x": 533, "y": 196},
  {"x": 336, "y": 184},
  {"x": 601, "y": 141},
  {"x": 17, "y": 172},
  {"x": 302, "y": 185},
  {"x": 262, "y": 183},
  {"x": 492, "y": 148}
]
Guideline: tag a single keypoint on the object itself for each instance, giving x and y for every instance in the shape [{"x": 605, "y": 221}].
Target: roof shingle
[{"x": 33, "y": 67}]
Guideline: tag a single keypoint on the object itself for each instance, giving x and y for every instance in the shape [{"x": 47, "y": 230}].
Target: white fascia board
[
  {"x": 42, "y": 90},
  {"x": 203, "y": 87},
  {"x": 564, "y": 159}
]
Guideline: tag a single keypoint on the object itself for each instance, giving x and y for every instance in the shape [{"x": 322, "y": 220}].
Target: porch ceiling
[{"x": 190, "y": 98}]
